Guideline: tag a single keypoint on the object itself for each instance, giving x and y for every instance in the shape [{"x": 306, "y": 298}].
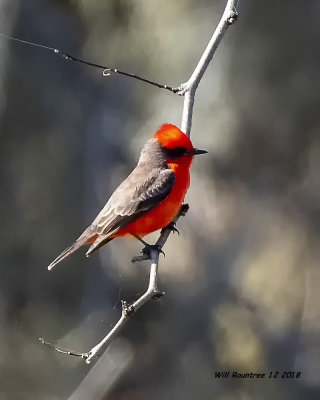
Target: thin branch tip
[{"x": 63, "y": 350}]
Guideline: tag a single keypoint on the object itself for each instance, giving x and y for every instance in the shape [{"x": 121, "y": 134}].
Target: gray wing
[{"x": 138, "y": 194}]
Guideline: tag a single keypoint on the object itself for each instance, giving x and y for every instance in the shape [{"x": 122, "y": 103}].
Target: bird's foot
[
  {"x": 172, "y": 227},
  {"x": 146, "y": 252},
  {"x": 149, "y": 247}
]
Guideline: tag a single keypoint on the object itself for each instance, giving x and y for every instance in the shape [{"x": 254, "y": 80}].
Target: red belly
[{"x": 164, "y": 213}]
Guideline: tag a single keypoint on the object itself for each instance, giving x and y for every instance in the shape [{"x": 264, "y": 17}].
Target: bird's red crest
[{"x": 171, "y": 137}]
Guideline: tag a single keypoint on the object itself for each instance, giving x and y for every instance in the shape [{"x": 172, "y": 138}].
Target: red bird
[{"x": 149, "y": 198}]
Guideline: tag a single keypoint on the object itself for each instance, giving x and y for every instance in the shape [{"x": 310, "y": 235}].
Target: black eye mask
[{"x": 175, "y": 153}]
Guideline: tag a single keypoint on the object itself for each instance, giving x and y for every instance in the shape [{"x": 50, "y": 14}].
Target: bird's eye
[{"x": 176, "y": 152}]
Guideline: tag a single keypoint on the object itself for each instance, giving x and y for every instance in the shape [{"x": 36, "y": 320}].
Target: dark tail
[
  {"x": 100, "y": 241},
  {"x": 85, "y": 238}
]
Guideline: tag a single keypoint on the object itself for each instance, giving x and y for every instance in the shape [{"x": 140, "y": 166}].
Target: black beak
[{"x": 195, "y": 152}]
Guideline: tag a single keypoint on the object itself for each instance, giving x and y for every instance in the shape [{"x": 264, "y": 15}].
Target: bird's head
[{"x": 176, "y": 145}]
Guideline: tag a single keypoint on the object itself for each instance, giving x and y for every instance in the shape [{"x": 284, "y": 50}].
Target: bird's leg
[
  {"x": 148, "y": 247},
  {"x": 146, "y": 251},
  {"x": 142, "y": 241},
  {"x": 172, "y": 227}
]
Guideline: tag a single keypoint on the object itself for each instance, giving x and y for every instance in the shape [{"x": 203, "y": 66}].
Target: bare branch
[
  {"x": 186, "y": 89},
  {"x": 107, "y": 71},
  {"x": 128, "y": 310},
  {"x": 189, "y": 88}
]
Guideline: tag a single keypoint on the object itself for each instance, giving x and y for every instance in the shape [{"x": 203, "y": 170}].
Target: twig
[
  {"x": 107, "y": 71},
  {"x": 60, "y": 349},
  {"x": 129, "y": 309},
  {"x": 188, "y": 89}
]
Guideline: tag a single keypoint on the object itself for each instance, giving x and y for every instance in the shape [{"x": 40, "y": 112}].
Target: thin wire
[{"x": 106, "y": 70}]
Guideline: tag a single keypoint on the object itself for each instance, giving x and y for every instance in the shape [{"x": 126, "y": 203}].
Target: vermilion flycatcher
[{"x": 149, "y": 198}]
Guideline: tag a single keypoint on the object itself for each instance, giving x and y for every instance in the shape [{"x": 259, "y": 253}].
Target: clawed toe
[
  {"x": 146, "y": 251},
  {"x": 172, "y": 227}
]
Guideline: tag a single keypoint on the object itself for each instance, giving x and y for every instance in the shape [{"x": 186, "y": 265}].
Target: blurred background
[{"x": 242, "y": 279}]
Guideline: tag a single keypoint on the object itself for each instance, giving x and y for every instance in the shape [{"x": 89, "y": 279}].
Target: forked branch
[
  {"x": 188, "y": 89},
  {"x": 107, "y": 71},
  {"x": 128, "y": 310}
]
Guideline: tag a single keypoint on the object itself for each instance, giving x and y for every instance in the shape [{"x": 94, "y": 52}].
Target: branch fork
[
  {"x": 188, "y": 90},
  {"x": 128, "y": 309}
]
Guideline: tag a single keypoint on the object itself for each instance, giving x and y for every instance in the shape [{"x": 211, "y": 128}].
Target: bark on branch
[
  {"x": 188, "y": 89},
  {"x": 128, "y": 310}
]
